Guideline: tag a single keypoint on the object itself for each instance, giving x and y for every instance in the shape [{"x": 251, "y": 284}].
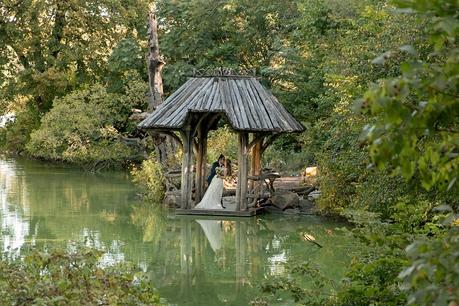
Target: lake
[{"x": 191, "y": 260}]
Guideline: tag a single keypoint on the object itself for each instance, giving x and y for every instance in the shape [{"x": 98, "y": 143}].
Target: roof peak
[{"x": 224, "y": 72}]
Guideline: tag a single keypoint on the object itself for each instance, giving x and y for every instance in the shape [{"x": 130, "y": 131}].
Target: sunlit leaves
[
  {"x": 54, "y": 46},
  {"x": 150, "y": 178},
  {"x": 418, "y": 131},
  {"x": 84, "y": 127}
]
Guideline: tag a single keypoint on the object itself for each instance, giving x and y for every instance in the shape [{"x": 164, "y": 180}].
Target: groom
[{"x": 213, "y": 171}]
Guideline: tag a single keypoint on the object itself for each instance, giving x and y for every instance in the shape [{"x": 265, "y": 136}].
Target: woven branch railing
[{"x": 224, "y": 71}]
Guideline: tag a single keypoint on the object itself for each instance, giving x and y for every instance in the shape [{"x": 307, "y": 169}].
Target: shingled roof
[{"x": 246, "y": 103}]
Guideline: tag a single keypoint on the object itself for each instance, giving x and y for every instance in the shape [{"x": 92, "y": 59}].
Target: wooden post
[
  {"x": 255, "y": 168},
  {"x": 241, "y": 191},
  {"x": 238, "y": 187},
  {"x": 204, "y": 162},
  {"x": 201, "y": 158},
  {"x": 187, "y": 161}
]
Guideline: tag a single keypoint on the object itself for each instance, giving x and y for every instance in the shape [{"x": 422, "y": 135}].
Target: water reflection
[
  {"x": 192, "y": 261},
  {"x": 213, "y": 231}
]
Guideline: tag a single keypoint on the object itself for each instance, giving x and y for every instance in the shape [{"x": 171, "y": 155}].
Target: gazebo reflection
[{"x": 214, "y": 258}]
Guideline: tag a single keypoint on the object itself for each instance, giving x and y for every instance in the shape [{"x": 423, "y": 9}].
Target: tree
[
  {"x": 85, "y": 127},
  {"x": 417, "y": 134},
  {"x": 50, "y": 47}
]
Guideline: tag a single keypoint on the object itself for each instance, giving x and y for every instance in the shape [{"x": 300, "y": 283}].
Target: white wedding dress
[{"x": 213, "y": 196}]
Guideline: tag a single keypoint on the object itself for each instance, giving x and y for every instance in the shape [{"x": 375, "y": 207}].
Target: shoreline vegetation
[
  {"x": 75, "y": 277},
  {"x": 374, "y": 82}
]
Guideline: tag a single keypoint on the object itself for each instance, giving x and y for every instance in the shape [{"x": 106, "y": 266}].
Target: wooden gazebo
[{"x": 195, "y": 109}]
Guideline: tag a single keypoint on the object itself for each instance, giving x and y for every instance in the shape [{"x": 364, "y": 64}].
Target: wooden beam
[
  {"x": 187, "y": 161},
  {"x": 241, "y": 191},
  {"x": 201, "y": 157},
  {"x": 174, "y": 137},
  {"x": 204, "y": 162},
  {"x": 200, "y": 123},
  {"x": 255, "y": 167},
  {"x": 257, "y": 138},
  {"x": 268, "y": 141},
  {"x": 214, "y": 120}
]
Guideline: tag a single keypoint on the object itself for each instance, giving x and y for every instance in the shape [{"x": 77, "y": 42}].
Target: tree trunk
[
  {"x": 164, "y": 146},
  {"x": 155, "y": 64}
]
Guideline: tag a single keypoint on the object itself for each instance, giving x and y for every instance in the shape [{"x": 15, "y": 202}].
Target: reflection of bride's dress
[
  {"x": 213, "y": 197},
  {"x": 213, "y": 231}
]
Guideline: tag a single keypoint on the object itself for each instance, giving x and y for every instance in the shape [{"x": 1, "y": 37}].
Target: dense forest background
[{"x": 375, "y": 83}]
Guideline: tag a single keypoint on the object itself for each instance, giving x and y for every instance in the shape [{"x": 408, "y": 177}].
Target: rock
[
  {"x": 138, "y": 116},
  {"x": 307, "y": 207},
  {"x": 314, "y": 195},
  {"x": 285, "y": 199},
  {"x": 292, "y": 211},
  {"x": 273, "y": 209},
  {"x": 310, "y": 171},
  {"x": 306, "y": 204}
]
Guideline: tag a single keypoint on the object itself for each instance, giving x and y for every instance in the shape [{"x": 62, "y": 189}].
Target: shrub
[
  {"x": 150, "y": 178},
  {"x": 433, "y": 276},
  {"x": 15, "y": 136},
  {"x": 222, "y": 141},
  {"x": 85, "y": 126},
  {"x": 61, "y": 277}
]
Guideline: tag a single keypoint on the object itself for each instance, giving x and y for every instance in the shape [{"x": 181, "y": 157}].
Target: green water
[{"x": 191, "y": 260}]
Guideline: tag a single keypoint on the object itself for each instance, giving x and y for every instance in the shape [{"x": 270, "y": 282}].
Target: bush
[
  {"x": 15, "y": 136},
  {"x": 433, "y": 276},
  {"x": 85, "y": 126},
  {"x": 222, "y": 141},
  {"x": 150, "y": 178},
  {"x": 61, "y": 277}
]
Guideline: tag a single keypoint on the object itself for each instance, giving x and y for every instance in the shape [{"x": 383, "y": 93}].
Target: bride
[{"x": 213, "y": 197}]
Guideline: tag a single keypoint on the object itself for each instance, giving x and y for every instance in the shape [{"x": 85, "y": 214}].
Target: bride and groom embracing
[{"x": 213, "y": 197}]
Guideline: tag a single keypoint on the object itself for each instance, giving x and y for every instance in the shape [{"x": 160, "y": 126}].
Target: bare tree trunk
[{"x": 155, "y": 63}]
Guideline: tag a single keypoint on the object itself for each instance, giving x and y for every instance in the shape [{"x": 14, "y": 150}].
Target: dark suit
[{"x": 213, "y": 171}]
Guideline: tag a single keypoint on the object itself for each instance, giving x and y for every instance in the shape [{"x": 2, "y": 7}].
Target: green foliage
[
  {"x": 416, "y": 137},
  {"x": 358, "y": 31},
  {"x": 373, "y": 278},
  {"x": 150, "y": 178},
  {"x": 61, "y": 277},
  {"x": 84, "y": 127},
  {"x": 320, "y": 289},
  {"x": 418, "y": 111},
  {"x": 373, "y": 283},
  {"x": 15, "y": 136},
  {"x": 411, "y": 123},
  {"x": 127, "y": 56},
  {"x": 49, "y": 48},
  {"x": 242, "y": 33},
  {"x": 221, "y": 141},
  {"x": 433, "y": 277}
]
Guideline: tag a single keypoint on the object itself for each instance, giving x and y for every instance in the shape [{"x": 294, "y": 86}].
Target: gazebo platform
[{"x": 221, "y": 212}]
